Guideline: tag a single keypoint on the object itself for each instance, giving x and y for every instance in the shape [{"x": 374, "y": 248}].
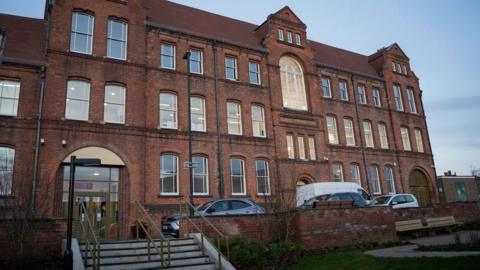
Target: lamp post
[
  {"x": 68, "y": 255},
  {"x": 190, "y": 163}
]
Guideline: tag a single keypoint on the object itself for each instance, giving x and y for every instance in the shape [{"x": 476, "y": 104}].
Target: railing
[
  {"x": 219, "y": 235},
  {"x": 141, "y": 212},
  {"x": 92, "y": 245}
]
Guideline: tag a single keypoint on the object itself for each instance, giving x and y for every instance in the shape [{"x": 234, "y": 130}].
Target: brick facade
[{"x": 139, "y": 142}]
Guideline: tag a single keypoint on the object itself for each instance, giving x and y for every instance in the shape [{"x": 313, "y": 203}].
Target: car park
[
  {"x": 356, "y": 199},
  {"x": 395, "y": 201}
]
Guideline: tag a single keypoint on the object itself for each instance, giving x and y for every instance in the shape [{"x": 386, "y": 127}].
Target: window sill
[
  {"x": 113, "y": 59},
  {"x": 169, "y": 195},
  {"x": 123, "y": 2}
]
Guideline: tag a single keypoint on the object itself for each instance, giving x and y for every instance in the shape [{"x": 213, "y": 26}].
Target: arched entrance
[
  {"x": 97, "y": 189},
  {"x": 419, "y": 187}
]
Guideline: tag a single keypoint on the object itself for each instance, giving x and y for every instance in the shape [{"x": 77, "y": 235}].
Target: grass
[{"x": 357, "y": 260}]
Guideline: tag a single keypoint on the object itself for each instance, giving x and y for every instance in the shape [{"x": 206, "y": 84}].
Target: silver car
[
  {"x": 229, "y": 207},
  {"x": 395, "y": 201}
]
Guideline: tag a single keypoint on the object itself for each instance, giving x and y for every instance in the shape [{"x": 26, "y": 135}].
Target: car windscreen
[
  {"x": 204, "y": 206},
  {"x": 380, "y": 200}
]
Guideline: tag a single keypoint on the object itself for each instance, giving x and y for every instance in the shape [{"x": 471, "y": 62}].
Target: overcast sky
[{"x": 441, "y": 37}]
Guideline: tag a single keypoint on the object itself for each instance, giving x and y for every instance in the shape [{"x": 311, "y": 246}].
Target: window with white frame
[
  {"x": 374, "y": 179},
  {"x": 399, "y": 68},
  {"x": 419, "y": 140},
  {"x": 200, "y": 175},
  {"x": 349, "y": 131},
  {"x": 167, "y": 56},
  {"x": 343, "y": 89},
  {"x": 368, "y": 133},
  {"x": 258, "y": 121},
  {"x": 7, "y": 160},
  {"x": 394, "y": 68},
  {"x": 355, "y": 172},
  {"x": 298, "y": 40},
  {"x": 168, "y": 111},
  {"x": 254, "y": 72},
  {"x": 2, "y": 41},
  {"x": 81, "y": 38},
  {"x": 337, "y": 172},
  {"x": 78, "y": 100},
  {"x": 198, "y": 117},
  {"x": 168, "y": 174},
  {"x": 263, "y": 177},
  {"x": 114, "y": 106},
  {"x": 312, "y": 148},
  {"x": 404, "y": 69},
  {"x": 231, "y": 68},
  {"x": 397, "y": 96},
  {"x": 289, "y": 37},
  {"x": 362, "y": 98},
  {"x": 117, "y": 39},
  {"x": 196, "y": 61},
  {"x": 290, "y": 147},
  {"x": 377, "y": 101},
  {"x": 280, "y": 35},
  {"x": 332, "y": 130},
  {"x": 9, "y": 96},
  {"x": 411, "y": 100},
  {"x": 382, "y": 132},
  {"x": 293, "y": 84},
  {"x": 326, "y": 88},
  {"x": 237, "y": 175},
  {"x": 389, "y": 178},
  {"x": 301, "y": 147},
  {"x": 405, "y": 139},
  {"x": 234, "y": 118}
]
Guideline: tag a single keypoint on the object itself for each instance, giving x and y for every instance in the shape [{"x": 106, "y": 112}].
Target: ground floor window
[
  {"x": 200, "y": 175},
  {"x": 263, "y": 178},
  {"x": 168, "y": 175},
  {"x": 7, "y": 157}
]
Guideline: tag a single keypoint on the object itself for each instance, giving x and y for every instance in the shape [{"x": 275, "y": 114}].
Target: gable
[
  {"x": 288, "y": 16},
  {"x": 397, "y": 52}
]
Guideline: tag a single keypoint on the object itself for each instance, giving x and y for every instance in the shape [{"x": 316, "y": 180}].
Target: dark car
[{"x": 357, "y": 199}]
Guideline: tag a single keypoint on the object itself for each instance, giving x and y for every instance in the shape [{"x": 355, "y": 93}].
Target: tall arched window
[{"x": 293, "y": 84}]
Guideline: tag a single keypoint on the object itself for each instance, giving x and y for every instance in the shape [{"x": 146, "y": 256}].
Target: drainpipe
[
  {"x": 362, "y": 149},
  {"x": 221, "y": 186}
]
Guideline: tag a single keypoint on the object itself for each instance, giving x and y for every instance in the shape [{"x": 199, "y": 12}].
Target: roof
[
  {"x": 25, "y": 39},
  {"x": 226, "y": 29}
]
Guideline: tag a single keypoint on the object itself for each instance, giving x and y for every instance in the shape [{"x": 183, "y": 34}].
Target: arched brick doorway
[{"x": 418, "y": 183}]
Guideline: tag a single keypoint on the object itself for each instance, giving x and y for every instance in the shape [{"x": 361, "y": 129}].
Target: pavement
[{"x": 408, "y": 251}]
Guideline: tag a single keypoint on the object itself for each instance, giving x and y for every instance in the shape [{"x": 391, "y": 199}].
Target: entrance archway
[
  {"x": 97, "y": 189},
  {"x": 419, "y": 187}
]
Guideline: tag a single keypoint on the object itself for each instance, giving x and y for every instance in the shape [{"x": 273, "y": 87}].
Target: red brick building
[{"x": 270, "y": 109}]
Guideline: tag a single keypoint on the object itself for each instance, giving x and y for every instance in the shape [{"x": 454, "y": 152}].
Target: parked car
[
  {"x": 171, "y": 224},
  {"x": 309, "y": 191},
  {"x": 396, "y": 201},
  {"x": 357, "y": 199}
]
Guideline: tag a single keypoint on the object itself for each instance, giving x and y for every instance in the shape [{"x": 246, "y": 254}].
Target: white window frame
[
  {"x": 176, "y": 175},
  {"x": 326, "y": 89},
  {"x": 265, "y": 178},
  {"x": 355, "y": 173},
  {"x": 255, "y": 72},
  {"x": 259, "y": 122},
  {"x": 110, "y": 39},
  {"x": 174, "y": 110},
  {"x": 234, "y": 68},
  {"x": 243, "y": 177},
  {"x": 377, "y": 99},
  {"x": 7, "y": 168},
  {"x": 312, "y": 148},
  {"x": 394, "y": 67},
  {"x": 374, "y": 181},
  {"x": 280, "y": 35},
  {"x": 368, "y": 133},
  {"x": 200, "y": 61},
  {"x": 405, "y": 69},
  {"x": 301, "y": 147},
  {"x": 362, "y": 95},
  {"x": 332, "y": 130},
  {"x": 164, "y": 54},
  {"x": 204, "y": 177},
  {"x": 407, "y": 146},
  {"x": 298, "y": 40},
  {"x": 298, "y": 96},
  {"x": 238, "y": 119},
  {"x": 68, "y": 99},
  {"x": 289, "y": 37},
  {"x": 349, "y": 131},
  {"x": 290, "y": 146},
  {"x": 419, "y": 140},
  {"x": 343, "y": 90},
  {"x": 382, "y": 133},
  {"x": 15, "y": 99},
  {"x": 88, "y": 34},
  {"x": 397, "y": 96},
  {"x": 390, "y": 179},
  {"x": 108, "y": 103},
  {"x": 202, "y": 116},
  {"x": 411, "y": 100},
  {"x": 336, "y": 166}
]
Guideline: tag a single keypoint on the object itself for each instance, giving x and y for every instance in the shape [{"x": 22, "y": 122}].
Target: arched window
[{"x": 293, "y": 84}]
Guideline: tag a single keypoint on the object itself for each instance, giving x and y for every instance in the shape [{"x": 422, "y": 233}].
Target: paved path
[{"x": 409, "y": 251}]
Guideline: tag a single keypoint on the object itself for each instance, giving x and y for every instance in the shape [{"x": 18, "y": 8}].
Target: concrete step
[
  {"x": 131, "y": 265},
  {"x": 144, "y": 257}
]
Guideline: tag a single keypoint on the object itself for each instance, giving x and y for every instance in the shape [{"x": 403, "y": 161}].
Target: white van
[{"x": 309, "y": 191}]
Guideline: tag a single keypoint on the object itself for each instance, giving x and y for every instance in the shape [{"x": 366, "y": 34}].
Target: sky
[{"x": 441, "y": 38}]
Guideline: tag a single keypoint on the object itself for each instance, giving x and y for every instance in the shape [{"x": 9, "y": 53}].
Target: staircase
[{"x": 186, "y": 254}]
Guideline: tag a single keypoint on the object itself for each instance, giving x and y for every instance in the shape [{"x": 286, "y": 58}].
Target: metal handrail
[
  {"x": 220, "y": 234},
  {"x": 95, "y": 249},
  {"x": 160, "y": 251}
]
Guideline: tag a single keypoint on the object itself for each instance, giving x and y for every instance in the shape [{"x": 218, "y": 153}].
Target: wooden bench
[
  {"x": 447, "y": 222},
  {"x": 409, "y": 225}
]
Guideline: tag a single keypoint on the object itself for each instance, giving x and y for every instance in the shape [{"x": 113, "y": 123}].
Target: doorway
[{"x": 419, "y": 187}]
